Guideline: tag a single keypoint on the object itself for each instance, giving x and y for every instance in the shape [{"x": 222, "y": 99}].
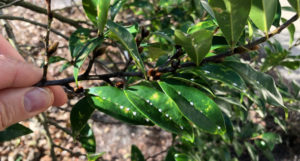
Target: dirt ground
[{"x": 112, "y": 137}]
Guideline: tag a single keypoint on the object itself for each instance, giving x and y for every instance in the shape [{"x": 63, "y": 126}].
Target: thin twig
[
  {"x": 41, "y": 10},
  {"x": 9, "y": 17},
  {"x": 43, "y": 119},
  {"x": 47, "y": 39},
  {"x": 10, "y": 33},
  {"x": 297, "y": 43},
  {"x": 67, "y": 131},
  {"x": 77, "y": 154},
  {"x": 156, "y": 155},
  {"x": 9, "y": 4},
  {"x": 217, "y": 58},
  {"x": 127, "y": 64}
]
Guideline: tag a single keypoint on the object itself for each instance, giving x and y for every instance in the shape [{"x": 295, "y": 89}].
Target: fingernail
[{"x": 37, "y": 99}]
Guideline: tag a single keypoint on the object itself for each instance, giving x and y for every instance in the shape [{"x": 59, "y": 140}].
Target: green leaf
[
  {"x": 206, "y": 6},
  {"x": 122, "y": 35},
  {"x": 224, "y": 74},
  {"x": 182, "y": 157},
  {"x": 250, "y": 30},
  {"x": 113, "y": 102},
  {"x": 252, "y": 151},
  {"x": 136, "y": 154},
  {"x": 296, "y": 5},
  {"x": 232, "y": 16},
  {"x": 115, "y": 8},
  {"x": 271, "y": 139},
  {"x": 292, "y": 30},
  {"x": 229, "y": 127},
  {"x": 273, "y": 58},
  {"x": 193, "y": 82},
  {"x": 277, "y": 16},
  {"x": 90, "y": 45},
  {"x": 80, "y": 46},
  {"x": 208, "y": 25},
  {"x": 196, "y": 106},
  {"x": 94, "y": 157},
  {"x": 197, "y": 44},
  {"x": 232, "y": 101},
  {"x": 155, "y": 52},
  {"x": 160, "y": 109},
  {"x": 55, "y": 59},
  {"x": 78, "y": 40},
  {"x": 262, "y": 13},
  {"x": 97, "y": 11},
  {"x": 80, "y": 114},
  {"x": 14, "y": 131},
  {"x": 87, "y": 139},
  {"x": 65, "y": 66},
  {"x": 171, "y": 154},
  {"x": 291, "y": 63},
  {"x": 262, "y": 82},
  {"x": 164, "y": 36}
]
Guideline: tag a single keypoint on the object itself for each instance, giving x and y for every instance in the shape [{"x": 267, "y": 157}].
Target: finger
[
  {"x": 7, "y": 50},
  {"x": 60, "y": 97},
  {"x": 16, "y": 73},
  {"x": 22, "y": 103}
]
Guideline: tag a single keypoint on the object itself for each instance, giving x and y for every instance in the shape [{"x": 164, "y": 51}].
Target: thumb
[{"x": 22, "y": 103}]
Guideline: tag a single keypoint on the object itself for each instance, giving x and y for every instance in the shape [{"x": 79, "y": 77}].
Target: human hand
[{"x": 18, "y": 99}]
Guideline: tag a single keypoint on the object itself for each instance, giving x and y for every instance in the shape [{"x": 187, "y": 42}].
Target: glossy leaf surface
[
  {"x": 182, "y": 157},
  {"x": 122, "y": 35},
  {"x": 97, "y": 11},
  {"x": 94, "y": 157},
  {"x": 206, "y": 6},
  {"x": 196, "y": 106},
  {"x": 193, "y": 82},
  {"x": 223, "y": 74},
  {"x": 86, "y": 50},
  {"x": 14, "y": 131},
  {"x": 113, "y": 102},
  {"x": 160, "y": 109},
  {"x": 171, "y": 154},
  {"x": 87, "y": 139},
  {"x": 78, "y": 40},
  {"x": 80, "y": 114},
  {"x": 115, "y": 8},
  {"x": 262, "y": 13},
  {"x": 232, "y": 17},
  {"x": 296, "y": 5},
  {"x": 197, "y": 44},
  {"x": 262, "y": 82},
  {"x": 136, "y": 154},
  {"x": 292, "y": 30},
  {"x": 81, "y": 46}
]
